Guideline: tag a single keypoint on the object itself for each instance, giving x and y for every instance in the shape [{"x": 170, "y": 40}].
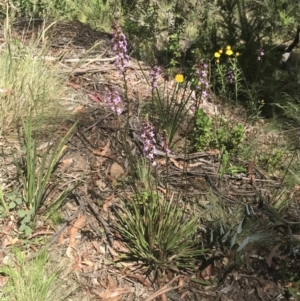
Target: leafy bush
[
  {"x": 38, "y": 8},
  {"x": 216, "y": 134}
]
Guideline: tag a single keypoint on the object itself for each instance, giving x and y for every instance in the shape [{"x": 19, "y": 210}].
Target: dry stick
[
  {"x": 94, "y": 70},
  {"x": 94, "y": 124},
  {"x": 161, "y": 290},
  {"x": 77, "y": 60},
  {"x": 104, "y": 224},
  {"x": 57, "y": 234},
  {"x": 88, "y": 70},
  {"x": 81, "y": 203}
]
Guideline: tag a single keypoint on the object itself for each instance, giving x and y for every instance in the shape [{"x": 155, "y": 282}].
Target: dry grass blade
[
  {"x": 41, "y": 87},
  {"x": 164, "y": 289}
]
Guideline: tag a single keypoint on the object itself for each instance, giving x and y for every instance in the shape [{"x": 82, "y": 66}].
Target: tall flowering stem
[
  {"x": 114, "y": 100},
  {"x": 153, "y": 78},
  {"x": 148, "y": 139},
  {"x": 154, "y": 75},
  {"x": 120, "y": 48},
  {"x": 164, "y": 142},
  {"x": 202, "y": 81},
  {"x": 122, "y": 62}
]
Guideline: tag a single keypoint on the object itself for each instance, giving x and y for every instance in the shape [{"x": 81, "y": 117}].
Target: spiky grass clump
[{"x": 159, "y": 234}]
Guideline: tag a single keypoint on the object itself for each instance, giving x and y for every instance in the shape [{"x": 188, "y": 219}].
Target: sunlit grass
[
  {"x": 27, "y": 80},
  {"x": 30, "y": 279}
]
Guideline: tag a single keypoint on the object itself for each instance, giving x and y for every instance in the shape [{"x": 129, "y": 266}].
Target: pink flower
[
  {"x": 113, "y": 100},
  {"x": 148, "y": 140},
  {"x": 120, "y": 49},
  {"x": 154, "y": 76}
]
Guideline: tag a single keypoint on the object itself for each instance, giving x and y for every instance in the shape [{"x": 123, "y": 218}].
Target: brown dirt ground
[{"x": 85, "y": 244}]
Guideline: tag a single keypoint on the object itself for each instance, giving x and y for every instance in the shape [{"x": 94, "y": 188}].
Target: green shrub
[{"x": 216, "y": 133}]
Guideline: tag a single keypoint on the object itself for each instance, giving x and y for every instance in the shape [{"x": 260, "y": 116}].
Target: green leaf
[
  {"x": 224, "y": 238},
  {"x": 22, "y": 213},
  {"x": 12, "y": 205},
  {"x": 203, "y": 282},
  {"x": 252, "y": 238},
  {"x": 240, "y": 227},
  {"x": 22, "y": 227},
  {"x": 28, "y": 231},
  {"x": 19, "y": 201},
  {"x": 233, "y": 240},
  {"x": 27, "y": 218}
]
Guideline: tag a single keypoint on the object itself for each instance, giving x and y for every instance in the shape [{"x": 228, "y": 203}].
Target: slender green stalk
[{"x": 3, "y": 200}]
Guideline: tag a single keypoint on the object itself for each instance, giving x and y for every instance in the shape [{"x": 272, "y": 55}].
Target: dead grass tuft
[{"x": 27, "y": 81}]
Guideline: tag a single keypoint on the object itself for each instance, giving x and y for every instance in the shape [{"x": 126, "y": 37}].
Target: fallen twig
[{"x": 164, "y": 289}]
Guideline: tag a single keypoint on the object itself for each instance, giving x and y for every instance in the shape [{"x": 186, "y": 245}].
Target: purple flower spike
[
  {"x": 149, "y": 141},
  {"x": 260, "y": 54},
  {"x": 120, "y": 49},
  {"x": 153, "y": 77},
  {"x": 201, "y": 72},
  {"x": 230, "y": 76},
  {"x": 114, "y": 100},
  {"x": 202, "y": 83}
]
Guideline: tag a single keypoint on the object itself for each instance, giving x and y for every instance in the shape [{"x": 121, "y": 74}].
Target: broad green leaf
[
  {"x": 19, "y": 201},
  {"x": 12, "y": 205},
  {"x": 22, "y": 213},
  {"x": 252, "y": 238},
  {"x": 240, "y": 227},
  {"x": 233, "y": 240},
  {"x": 27, "y": 218}
]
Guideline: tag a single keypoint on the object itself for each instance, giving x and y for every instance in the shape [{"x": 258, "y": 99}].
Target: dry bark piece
[
  {"x": 101, "y": 185},
  {"x": 78, "y": 110},
  {"x": 64, "y": 164},
  {"x": 104, "y": 151},
  {"x": 116, "y": 170},
  {"x": 272, "y": 254},
  {"x": 73, "y": 230},
  {"x": 108, "y": 203}
]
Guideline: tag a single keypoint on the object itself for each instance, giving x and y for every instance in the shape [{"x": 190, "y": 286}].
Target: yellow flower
[
  {"x": 179, "y": 78},
  {"x": 217, "y": 54},
  {"x": 221, "y": 51},
  {"x": 229, "y": 51},
  {"x": 228, "y": 47}
]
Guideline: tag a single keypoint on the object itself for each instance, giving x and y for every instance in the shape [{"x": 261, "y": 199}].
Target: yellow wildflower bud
[
  {"x": 237, "y": 54},
  {"x": 217, "y": 61},
  {"x": 221, "y": 51},
  {"x": 179, "y": 78},
  {"x": 228, "y": 47},
  {"x": 229, "y": 52},
  {"x": 217, "y": 54}
]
